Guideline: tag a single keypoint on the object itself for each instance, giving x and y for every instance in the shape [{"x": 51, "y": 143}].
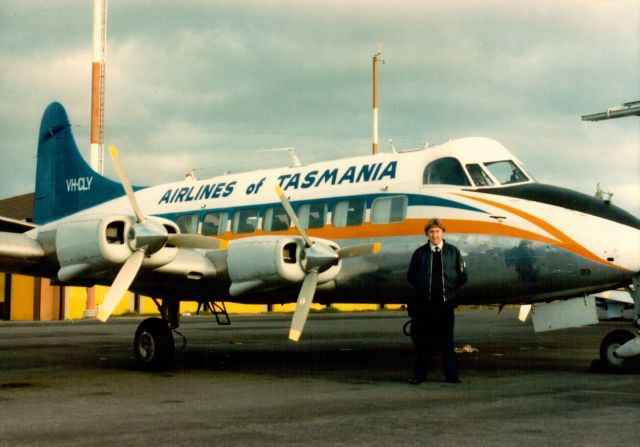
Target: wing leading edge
[{"x": 19, "y": 253}]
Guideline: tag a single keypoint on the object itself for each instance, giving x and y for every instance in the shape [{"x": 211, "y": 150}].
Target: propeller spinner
[{"x": 318, "y": 256}]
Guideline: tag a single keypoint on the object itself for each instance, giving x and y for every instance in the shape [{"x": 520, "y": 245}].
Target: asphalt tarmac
[{"x": 345, "y": 383}]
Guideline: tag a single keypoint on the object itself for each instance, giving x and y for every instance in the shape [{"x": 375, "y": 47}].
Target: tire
[
  {"x": 612, "y": 341},
  {"x": 153, "y": 345}
]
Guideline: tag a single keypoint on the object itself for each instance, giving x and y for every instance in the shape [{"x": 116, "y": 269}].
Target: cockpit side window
[
  {"x": 478, "y": 175},
  {"x": 445, "y": 171},
  {"x": 506, "y": 172}
]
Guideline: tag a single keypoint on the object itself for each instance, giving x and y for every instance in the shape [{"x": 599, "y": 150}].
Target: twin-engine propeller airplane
[{"x": 342, "y": 231}]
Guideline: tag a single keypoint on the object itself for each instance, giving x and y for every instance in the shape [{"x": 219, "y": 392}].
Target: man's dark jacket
[{"x": 419, "y": 275}]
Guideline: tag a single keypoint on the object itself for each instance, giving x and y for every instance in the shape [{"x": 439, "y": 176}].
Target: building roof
[{"x": 18, "y": 207}]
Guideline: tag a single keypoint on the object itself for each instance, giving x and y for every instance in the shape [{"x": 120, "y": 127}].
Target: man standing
[{"x": 436, "y": 272}]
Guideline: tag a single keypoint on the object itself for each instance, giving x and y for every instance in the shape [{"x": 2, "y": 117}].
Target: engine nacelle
[
  {"x": 270, "y": 260},
  {"x": 94, "y": 243}
]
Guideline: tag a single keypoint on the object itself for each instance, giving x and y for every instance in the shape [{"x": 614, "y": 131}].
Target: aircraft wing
[
  {"x": 15, "y": 226},
  {"x": 18, "y": 252}
]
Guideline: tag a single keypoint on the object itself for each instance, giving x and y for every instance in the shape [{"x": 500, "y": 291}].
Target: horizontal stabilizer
[{"x": 15, "y": 226}]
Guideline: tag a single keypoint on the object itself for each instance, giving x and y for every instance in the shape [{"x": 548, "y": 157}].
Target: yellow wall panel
[
  {"x": 148, "y": 307},
  {"x": 188, "y": 306},
  {"x": 236, "y": 308},
  {"x": 77, "y": 297},
  {"x": 355, "y": 307},
  {"x": 22, "y": 289},
  {"x": 124, "y": 305},
  {"x": 290, "y": 307}
]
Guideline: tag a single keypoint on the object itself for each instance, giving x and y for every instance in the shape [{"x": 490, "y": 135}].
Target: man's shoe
[{"x": 453, "y": 380}]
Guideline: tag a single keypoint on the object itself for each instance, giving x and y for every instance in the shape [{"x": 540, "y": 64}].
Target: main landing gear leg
[
  {"x": 620, "y": 349},
  {"x": 153, "y": 344}
]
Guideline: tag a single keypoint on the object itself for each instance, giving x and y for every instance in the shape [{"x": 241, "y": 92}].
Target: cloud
[{"x": 219, "y": 80}]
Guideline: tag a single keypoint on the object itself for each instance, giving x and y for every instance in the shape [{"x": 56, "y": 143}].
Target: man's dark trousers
[{"x": 434, "y": 330}]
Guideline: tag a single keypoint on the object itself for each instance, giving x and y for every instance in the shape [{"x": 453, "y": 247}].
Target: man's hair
[{"x": 434, "y": 223}]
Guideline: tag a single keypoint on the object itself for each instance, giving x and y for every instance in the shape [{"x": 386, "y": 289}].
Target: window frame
[
  {"x": 269, "y": 214},
  {"x": 304, "y": 217},
  {"x": 461, "y": 170},
  {"x": 359, "y": 201},
  {"x": 194, "y": 222},
  {"x": 484, "y": 171},
  {"x": 514, "y": 167},
  {"x": 376, "y": 204},
  {"x": 235, "y": 220},
  {"x": 223, "y": 217}
]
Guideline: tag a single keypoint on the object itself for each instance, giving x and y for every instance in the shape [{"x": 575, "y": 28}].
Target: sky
[{"x": 205, "y": 85}]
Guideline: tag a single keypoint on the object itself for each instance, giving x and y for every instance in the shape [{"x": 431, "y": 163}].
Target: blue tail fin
[{"x": 65, "y": 183}]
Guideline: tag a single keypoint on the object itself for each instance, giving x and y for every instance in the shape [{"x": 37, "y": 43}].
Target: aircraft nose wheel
[
  {"x": 610, "y": 343},
  {"x": 153, "y": 345}
]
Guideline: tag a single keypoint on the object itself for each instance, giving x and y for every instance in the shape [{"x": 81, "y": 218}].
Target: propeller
[
  {"x": 317, "y": 256},
  {"x": 292, "y": 215},
  {"x": 146, "y": 238},
  {"x": 121, "y": 284}
]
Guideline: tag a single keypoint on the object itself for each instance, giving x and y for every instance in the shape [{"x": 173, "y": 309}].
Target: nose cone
[
  {"x": 566, "y": 198},
  {"x": 605, "y": 230}
]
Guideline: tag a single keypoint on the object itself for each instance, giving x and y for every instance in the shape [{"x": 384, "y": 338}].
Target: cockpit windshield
[
  {"x": 445, "y": 171},
  {"x": 506, "y": 172},
  {"x": 478, "y": 175}
]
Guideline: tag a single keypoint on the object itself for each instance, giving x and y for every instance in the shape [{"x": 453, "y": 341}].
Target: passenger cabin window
[
  {"x": 214, "y": 224},
  {"x": 479, "y": 176},
  {"x": 445, "y": 171},
  {"x": 506, "y": 172},
  {"x": 188, "y": 223},
  {"x": 312, "y": 215},
  {"x": 275, "y": 219},
  {"x": 389, "y": 209},
  {"x": 349, "y": 213},
  {"x": 245, "y": 221}
]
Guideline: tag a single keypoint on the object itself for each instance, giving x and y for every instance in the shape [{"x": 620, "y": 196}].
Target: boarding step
[{"x": 218, "y": 309}]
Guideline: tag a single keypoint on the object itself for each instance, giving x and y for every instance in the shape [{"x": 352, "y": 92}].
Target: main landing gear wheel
[
  {"x": 153, "y": 345},
  {"x": 610, "y": 343}
]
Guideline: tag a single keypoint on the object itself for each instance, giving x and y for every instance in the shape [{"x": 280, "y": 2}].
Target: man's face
[{"x": 435, "y": 235}]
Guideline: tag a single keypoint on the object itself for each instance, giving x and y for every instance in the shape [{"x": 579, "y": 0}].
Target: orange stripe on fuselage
[
  {"x": 410, "y": 227},
  {"x": 415, "y": 227},
  {"x": 564, "y": 241}
]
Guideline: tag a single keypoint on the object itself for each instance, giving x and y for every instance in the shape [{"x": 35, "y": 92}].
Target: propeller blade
[
  {"x": 359, "y": 250},
  {"x": 305, "y": 298},
  {"x": 121, "y": 284},
  {"x": 126, "y": 184},
  {"x": 197, "y": 241},
  {"x": 292, "y": 216}
]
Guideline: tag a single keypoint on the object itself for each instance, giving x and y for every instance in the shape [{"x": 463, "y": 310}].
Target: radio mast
[
  {"x": 96, "y": 151},
  {"x": 96, "y": 157},
  {"x": 376, "y": 59}
]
